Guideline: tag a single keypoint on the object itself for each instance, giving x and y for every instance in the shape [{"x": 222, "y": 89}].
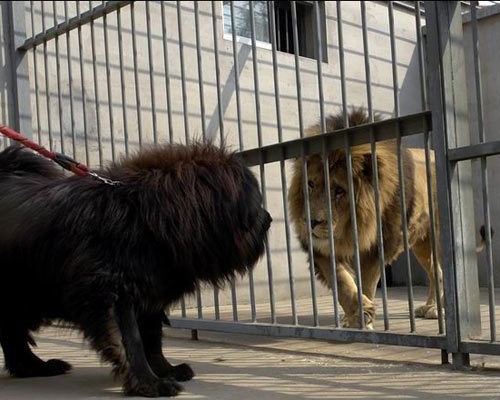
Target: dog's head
[{"x": 253, "y": 221}]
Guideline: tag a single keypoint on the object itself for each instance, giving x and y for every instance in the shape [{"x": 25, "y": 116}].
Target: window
[{"x": 306, "y": 25}]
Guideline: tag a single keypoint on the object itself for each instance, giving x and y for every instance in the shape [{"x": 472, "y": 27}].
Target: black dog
[{"x": 110, "y": 258}]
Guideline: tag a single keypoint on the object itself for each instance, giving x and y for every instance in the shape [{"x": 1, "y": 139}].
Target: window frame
[{"x": 243, "y": 39}]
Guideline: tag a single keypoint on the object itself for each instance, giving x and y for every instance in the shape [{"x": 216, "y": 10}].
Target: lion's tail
[
  {"x": 18, "y": 160},
  {"x": 482, "y": 232}
]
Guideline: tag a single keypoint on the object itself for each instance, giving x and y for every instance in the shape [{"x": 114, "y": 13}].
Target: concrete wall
[{"x": 60, "y": 117}]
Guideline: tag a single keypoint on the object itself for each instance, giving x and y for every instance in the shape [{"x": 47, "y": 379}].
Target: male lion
[{"x": 417, "y": 215}]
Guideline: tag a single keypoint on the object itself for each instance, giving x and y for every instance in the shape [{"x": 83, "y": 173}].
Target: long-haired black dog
[{"x": 110, "y": 258}]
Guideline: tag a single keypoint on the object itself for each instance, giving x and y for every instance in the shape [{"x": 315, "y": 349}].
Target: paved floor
[
  {"x": 249, "y": 367},
  {"x": 244, "y": 367}
]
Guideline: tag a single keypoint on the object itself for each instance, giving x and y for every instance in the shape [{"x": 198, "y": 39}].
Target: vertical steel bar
[
  {"x": 199, "y": 303},
  {"x": 404, "y": 222},
  {"x": 221, "y": 120},
  {"x": 35, "y": 74},
  {"x": 47, "y": 83},
  {"x": 200, "y": 67},
  {"x": 136, "y": 74},
  {"x": 240, "y": 135},
  {"x": 262, "y": 169},
  {"x": 234, "y": 297},
  {"x": 217, "y": 72},
  {"x": 58, "y": 76},
  {"x": 236, "y": 77},
  {"x": 183, "y": 308},
  {"x": 151, "y": 74},
  {"x": 421, "y": 66},
  {"x": 395, "y": 82},
  {"x": 83, "y": 86},
  {"x": 282, "y": 163},
  {"x": 96, "y": 91},
  {"x": 343, "y": 89},
  {"x": 326, "y": 167},
  {"x": 376, "y": 186},
  {"x": 183, "y": 72},
  {"x": 428, "y": 165},
  {"x": 484, "y": 170},
  {"x": 122, "y": 81},
  {"x": 352, "y": 204},
  {"x": 402, "y": 183},
  {"x": 167, "y": 72},
  {"x": 110, "y": 90},
  {"x": 305, "y": 179},
  {"x": 70, "y": 77}
]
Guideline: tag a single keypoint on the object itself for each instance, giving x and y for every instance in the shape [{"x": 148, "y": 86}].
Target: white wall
[{"x": 382, "y": 89}]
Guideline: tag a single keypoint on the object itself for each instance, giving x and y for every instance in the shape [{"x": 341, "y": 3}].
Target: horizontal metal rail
[
  {"x": 383, "y": 130},
  {"x": 306, "y": 332},
  {"x": 480, "y": 347},
  {"x": 73, "y": 23},
  {"x": 474, "y": 151}
]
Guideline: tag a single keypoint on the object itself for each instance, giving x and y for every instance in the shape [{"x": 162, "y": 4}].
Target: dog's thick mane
[
  {"x": 172, "y": 195},
  {"x": 196, "y": 168}
]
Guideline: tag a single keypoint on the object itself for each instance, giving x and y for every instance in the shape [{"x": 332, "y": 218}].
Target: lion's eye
[{"x": 339, "y": 192}]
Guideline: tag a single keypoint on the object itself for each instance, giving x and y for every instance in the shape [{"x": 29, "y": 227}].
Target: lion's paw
[
  {"x": 352, "y": 321},
  {"x": 427, "y": 311}
]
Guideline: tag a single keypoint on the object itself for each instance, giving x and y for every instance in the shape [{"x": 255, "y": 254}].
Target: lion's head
[{"x": 338, "y": 187}]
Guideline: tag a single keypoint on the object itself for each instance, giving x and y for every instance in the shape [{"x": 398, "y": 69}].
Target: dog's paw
[
  {"x": 182, "y": 373},
  {"x": 56, "y": 367},
  {"x": 152, "y": 388},
  {"x": 32, "y": 369}
]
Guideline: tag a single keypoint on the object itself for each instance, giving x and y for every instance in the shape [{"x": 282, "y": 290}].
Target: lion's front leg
[
  {"x": 347, "y": 293},
  {"x": 348, "y": 299}
]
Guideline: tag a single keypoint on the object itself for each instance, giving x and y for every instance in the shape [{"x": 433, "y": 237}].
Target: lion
[{"x": 416, "y": 210}]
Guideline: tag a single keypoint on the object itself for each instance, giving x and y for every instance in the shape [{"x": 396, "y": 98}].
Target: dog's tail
[
  {"x": 18, "y": 160},
  {"x": 482, "y": 232}
]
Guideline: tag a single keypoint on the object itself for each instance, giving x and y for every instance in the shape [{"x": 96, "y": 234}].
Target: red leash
[{"x": 61, "y": 159}]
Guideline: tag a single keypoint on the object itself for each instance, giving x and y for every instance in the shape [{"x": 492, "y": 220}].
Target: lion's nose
[{"x": 314, "y": 223}]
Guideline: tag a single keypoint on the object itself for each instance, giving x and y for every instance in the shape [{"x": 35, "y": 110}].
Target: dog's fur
[
  {"x": 109, "y": 259},
  {"x": 416, "y": 210}
]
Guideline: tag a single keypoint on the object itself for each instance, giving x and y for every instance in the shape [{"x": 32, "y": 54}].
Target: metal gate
[{"x": 97, "y": 81}]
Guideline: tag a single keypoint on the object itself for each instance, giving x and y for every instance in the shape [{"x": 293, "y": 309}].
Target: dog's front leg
[
  {"x": 139, "y": 379},
  {"x": 150, "y": 326}
]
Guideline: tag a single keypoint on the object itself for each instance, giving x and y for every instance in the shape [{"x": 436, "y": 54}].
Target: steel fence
[{"x": 100, "y": 80}]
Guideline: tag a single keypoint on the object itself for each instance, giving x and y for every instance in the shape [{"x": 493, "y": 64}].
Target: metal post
[
  {"x": 22, "y": 109},
  {"x": 448, "y": 103}
]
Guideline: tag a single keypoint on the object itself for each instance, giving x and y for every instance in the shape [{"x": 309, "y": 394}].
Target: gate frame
[{"x": 448, "y": 104}]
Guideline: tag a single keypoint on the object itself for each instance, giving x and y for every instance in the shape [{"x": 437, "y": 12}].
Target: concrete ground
[{"x": 250, "y": 367}]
